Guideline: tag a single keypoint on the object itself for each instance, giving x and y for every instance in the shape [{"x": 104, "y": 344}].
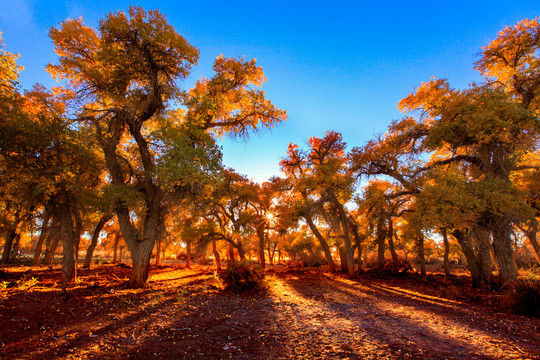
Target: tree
[{"x": 125, "y": 75}]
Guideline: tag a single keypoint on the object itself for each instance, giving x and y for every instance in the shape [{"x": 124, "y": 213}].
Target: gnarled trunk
[
  {"x": 42, "y": 236},
  {"x": 502, "y": 247},
  {"x": 69, "y": 267},
  {"x": 11, "y": 234},
  {"x": 446, "y": 253},
  {"x": 216, "y": 254},
  {"x": 468, "y": 250},
  {"x": 390, "y": 236},
  {"x": 420, "y": 253}
]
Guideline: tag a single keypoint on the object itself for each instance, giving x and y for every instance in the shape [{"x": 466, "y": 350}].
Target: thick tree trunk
[
  {"x": 343, "y": 259},
  {"x": 54, "y": 238},
  {"x": 502, "y": 247},
  {"x": 381, "y": 236},
  {"x": 391, "y": 240},
  {"x": 231, "y": 253},
  {"x": 42, "y": 236},
  {"x": 484, "y": 252},
  {"x": 446, "y": 253},
  {"x": 468, "y": 250},
  {"x": 531, "y": 234},
  {"x": 140, "y": 264},
  {"x": 93, "y": 243},
  {"x": 241, "y": 252},
  {"x": 69, "y": 267},
  {"x": 346, "y": 234}
]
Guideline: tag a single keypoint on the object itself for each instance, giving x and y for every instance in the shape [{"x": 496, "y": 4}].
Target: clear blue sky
[{"x": 340, "y": 65}]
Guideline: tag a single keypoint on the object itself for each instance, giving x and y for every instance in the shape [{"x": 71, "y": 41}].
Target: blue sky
[{"x": 340, "y": 65}]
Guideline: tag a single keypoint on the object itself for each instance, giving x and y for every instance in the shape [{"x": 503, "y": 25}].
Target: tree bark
[
  {"x": 216, "y": 254},
  {"x": 115, "y": 246},
  {"x": 346, "y": 234},
  {"x": 261, "y": 237},
  {"x": 42, "y": 236},
  {"x": 322, "y": 241},
  {"x": 421, "y": 256},
  {"x": 446, "y": 253},
  {"x": 188, "y": 254},
  {"x": 10, "y": 236},
  {"x": 93, "y": 243},
  {"x": 390, "y": 236},
  {"x": 381, "y": 237},
  {"x": 468, "y": 250},
  {"x": 502, "y": 247},
  {"x": 69, "y": 268}
]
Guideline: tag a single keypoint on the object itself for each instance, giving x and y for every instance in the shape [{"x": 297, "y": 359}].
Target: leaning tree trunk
[
  {"x": 322, "y": 242},
  {"x": 468, "y": 250},
  {"x": 10, "y": 236},
  {"x": 42, "y": 236},
  {"x": 346, "y": 234},
  {"x": 531, "y": 234},
  {"x": 95, "y": 238},
  {"x": 16, "y": 246},
  {"x": 115, "y": 246}
]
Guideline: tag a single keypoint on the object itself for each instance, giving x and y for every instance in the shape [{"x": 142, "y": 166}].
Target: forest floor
[{"x": 186, "y": 314}]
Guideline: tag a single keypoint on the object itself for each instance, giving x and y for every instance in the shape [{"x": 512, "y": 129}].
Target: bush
[
  {"x": 241, "y": 276},
  {"x": 526, "y": 298}
]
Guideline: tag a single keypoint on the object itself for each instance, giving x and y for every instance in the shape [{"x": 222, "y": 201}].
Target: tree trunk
[
  {"x": 216, "y": 254},
  {"x": 346, "y": 234},
  {"x": 468, "y": 250},
  {"x": 188, "y": 254},
  {"x": 420, "y": 252},
  {"x": 343, "y": 259},
  {"x": 531, "y": 234},
  {"x": 381, "y": 236},
  {"x": 140, "y": 264},
  {"x": 10, "y": 236},
  {"x": 322, "y": 241},
  {"x": 115, "y": 246},
  {"x": 502, "y": 247},
  {"x": 390, "y": 236},
  {"x": 94, "y": 241},
  {"x": 53, "y": 242},
  {"x": 42, "y": 236},
  {"x": 484, "y": 252},
  {"x": 69, "y": 268},
  {"x": 446, "y": 253},
  {"x": 261, "y": 235},
  {"x": 241, "y": 252},
  {"x": 231, "y": 253},
  {"x": 158, "y": 251},
  {"x": 16, "y": 247}
]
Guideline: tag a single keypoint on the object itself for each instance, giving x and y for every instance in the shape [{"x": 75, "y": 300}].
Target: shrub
[{"x": 241, "y": 276}]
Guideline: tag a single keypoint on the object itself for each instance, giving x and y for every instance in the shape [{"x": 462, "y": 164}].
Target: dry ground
[{"x": 185, "y": 314}]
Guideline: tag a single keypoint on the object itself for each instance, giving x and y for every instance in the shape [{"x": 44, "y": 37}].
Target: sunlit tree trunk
[
  {"x": 115, "y": 246},
  {"x": 481, "y": 235}
]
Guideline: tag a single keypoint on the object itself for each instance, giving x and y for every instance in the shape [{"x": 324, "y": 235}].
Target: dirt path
[{"x": 183, "y": 314}]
